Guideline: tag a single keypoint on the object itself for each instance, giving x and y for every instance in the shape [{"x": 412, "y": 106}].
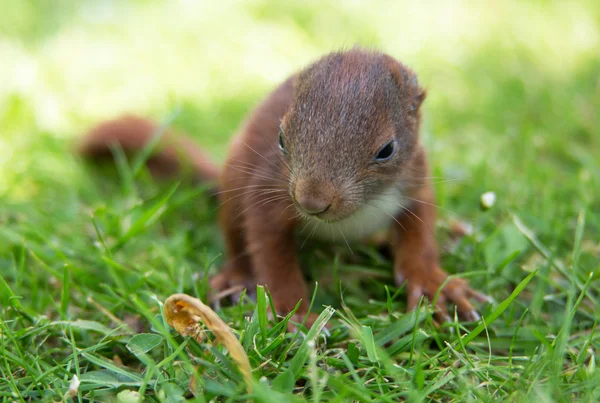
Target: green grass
[{"x": 88, "y": 255}]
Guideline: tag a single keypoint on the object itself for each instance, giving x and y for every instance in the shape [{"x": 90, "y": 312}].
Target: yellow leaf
[{"x": 183, "y": 313}]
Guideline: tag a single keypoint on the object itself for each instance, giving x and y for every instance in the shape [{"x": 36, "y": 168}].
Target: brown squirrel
[{"x": 334, "y": 150}]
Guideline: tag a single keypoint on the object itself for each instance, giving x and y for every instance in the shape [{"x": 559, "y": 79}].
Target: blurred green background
[
  {"x": 513, "y": 83},
  {"x": 513, "y": 95},
  {"x": 513, "y": 87},
  {"x": 513, "y": 107}
]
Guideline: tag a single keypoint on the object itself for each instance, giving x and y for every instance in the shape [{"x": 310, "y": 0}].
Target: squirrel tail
[{"x": 173, "y": 153}]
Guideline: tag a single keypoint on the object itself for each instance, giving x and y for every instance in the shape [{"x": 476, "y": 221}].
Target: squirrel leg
[
  {"x": 272, "y": 248},
  {"x": 417, "y": 261},
  {"x": 237, "y": 273}
]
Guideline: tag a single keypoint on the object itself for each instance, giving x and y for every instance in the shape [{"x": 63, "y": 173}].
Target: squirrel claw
[
  {"x": 480, "y": 297},
  {"x": 226, "y": 285},
  {"x": 456, "y": 291}
]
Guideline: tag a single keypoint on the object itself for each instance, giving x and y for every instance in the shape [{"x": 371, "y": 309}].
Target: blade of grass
[
  {"x": 499, "y": 310},
  {"x": 64, "y": 298}
]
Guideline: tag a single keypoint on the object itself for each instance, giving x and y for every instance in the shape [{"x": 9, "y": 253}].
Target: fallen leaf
[{"x": 183, "y": 313}]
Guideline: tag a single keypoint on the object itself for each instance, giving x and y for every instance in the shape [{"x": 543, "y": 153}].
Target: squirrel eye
[
  {"x": 386, "y": 152},
  {"x": 281, "y": 144}
]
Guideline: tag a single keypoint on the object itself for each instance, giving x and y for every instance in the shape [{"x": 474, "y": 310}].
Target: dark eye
[
  {"x": 281, "y": 144},
  {"x": 386, "y": 152}
]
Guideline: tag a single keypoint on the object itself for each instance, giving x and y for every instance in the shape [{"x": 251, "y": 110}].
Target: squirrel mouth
[
  {"x": 325, "y": 216},
  {"x": 312, "y": 211},
  {"x": 318, "y": 214}
]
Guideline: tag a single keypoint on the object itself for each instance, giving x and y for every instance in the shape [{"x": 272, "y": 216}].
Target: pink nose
[{"x": 313, "y": 205}]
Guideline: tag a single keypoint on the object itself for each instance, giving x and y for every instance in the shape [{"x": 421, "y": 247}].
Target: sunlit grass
[{"x": 512, "y": 107}]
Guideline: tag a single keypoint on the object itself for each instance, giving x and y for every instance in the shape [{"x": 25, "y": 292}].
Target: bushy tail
[{"x": 172, "y": 155}]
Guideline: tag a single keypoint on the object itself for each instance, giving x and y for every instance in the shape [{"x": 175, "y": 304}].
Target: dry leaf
[{"x": 183, "y": 313}]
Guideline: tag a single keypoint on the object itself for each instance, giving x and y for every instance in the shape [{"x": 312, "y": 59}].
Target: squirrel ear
[
  {"x": 420, "y": 96},
  {"x": 407, "y": 83}
]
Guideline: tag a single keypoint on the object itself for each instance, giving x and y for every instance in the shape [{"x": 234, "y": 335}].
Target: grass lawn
[{"x": 88, "y": 255}]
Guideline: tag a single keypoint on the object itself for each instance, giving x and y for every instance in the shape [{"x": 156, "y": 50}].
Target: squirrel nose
[
  {"x": 313, "y": 205},
  {"x": 312, "y": 196}
]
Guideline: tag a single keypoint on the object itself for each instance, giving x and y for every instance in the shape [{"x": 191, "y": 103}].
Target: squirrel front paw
[
  {"x": 427, "y": 283},
  {"x": 230, "y": 283}
]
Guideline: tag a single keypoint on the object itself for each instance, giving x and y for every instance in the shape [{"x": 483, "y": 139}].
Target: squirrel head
[{"x": 350, "y": 132}]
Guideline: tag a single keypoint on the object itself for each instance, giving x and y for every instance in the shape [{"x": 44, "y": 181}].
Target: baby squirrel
[{"x": 333, "y": 151}]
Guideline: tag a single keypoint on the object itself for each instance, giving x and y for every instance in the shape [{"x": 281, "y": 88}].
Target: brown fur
[
  {"x": 132, "y": 133},
  {"x": 334, "y": 116}
]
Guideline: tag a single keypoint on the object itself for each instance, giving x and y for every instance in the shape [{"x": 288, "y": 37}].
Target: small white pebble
[{"x": 488, "y": 199}]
